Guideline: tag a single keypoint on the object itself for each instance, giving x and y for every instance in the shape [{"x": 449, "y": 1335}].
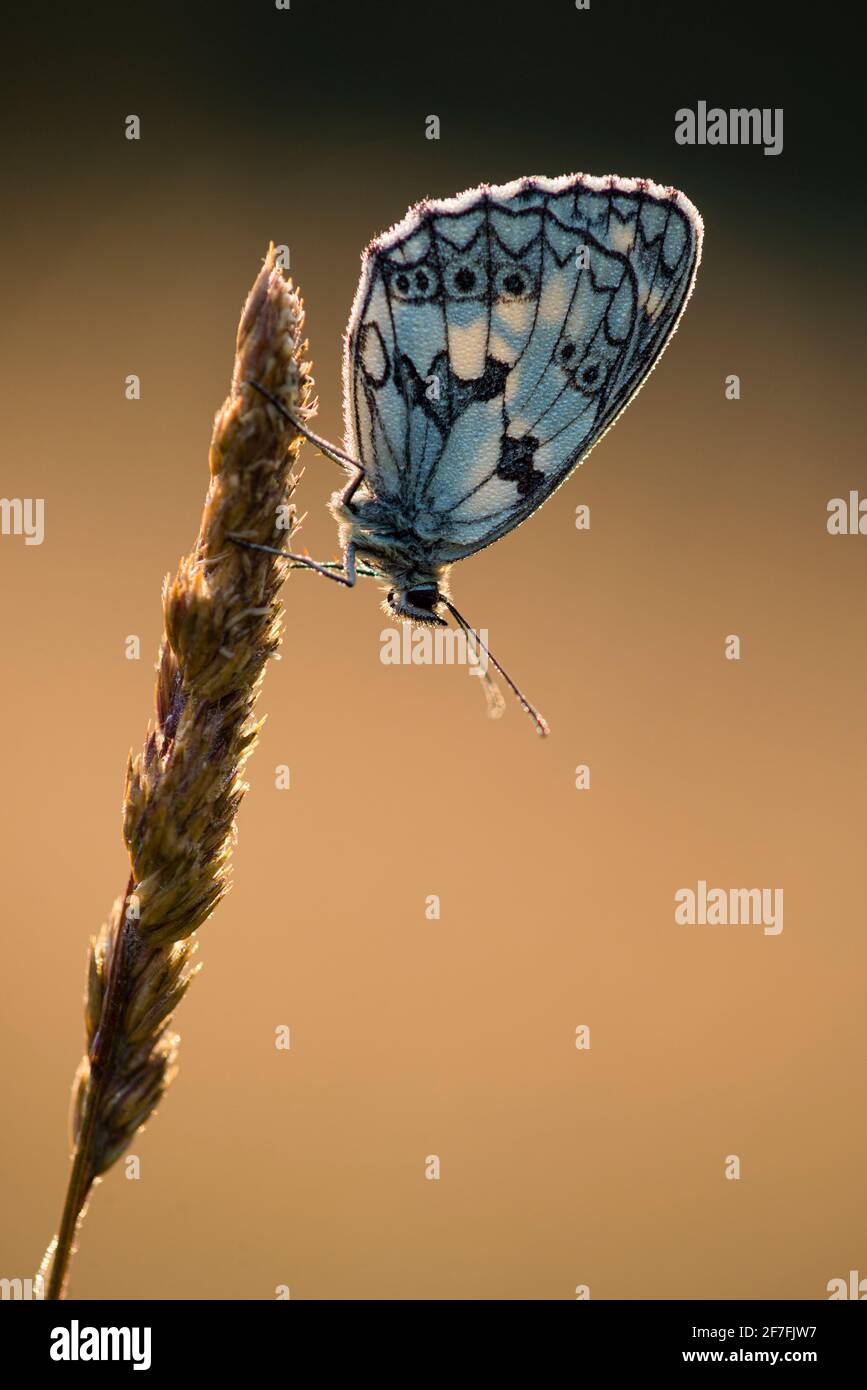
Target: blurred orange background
[{"x": 455, "y": 1037}]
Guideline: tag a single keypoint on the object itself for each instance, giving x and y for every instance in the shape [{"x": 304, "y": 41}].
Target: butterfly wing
[{"x": 496, "y": 336}]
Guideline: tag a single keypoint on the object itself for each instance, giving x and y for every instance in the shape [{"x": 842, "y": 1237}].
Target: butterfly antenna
[{"x": 539, "y": 722}]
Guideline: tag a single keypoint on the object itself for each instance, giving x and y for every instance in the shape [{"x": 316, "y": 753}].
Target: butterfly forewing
[{"x": 496, "y": 336}]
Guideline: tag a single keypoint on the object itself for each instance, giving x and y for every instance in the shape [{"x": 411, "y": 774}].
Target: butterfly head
[{"x": 417, "y": 604}]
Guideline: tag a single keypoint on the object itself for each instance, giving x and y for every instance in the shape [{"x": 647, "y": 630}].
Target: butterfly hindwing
[{"x": 496, "y": 336}]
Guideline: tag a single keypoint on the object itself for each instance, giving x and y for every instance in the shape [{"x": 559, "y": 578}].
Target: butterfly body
[{"x": 387, "y": 537}]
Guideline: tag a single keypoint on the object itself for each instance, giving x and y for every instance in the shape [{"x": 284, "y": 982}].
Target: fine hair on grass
[{"x": 222, "y": 622}]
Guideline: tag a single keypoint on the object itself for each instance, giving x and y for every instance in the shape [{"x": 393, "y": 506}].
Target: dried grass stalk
[{"x": 222, "y": 619}]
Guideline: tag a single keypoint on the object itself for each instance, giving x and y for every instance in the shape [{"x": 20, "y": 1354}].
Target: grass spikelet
[{"x": 222, "y": 620}]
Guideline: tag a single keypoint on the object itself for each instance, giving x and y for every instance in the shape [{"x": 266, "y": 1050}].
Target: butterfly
[{"x": 493, "y": 340}]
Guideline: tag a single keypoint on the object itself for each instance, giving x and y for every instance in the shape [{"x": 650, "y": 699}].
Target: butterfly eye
[
  {"x": 466, "y": 281},
  {"x": 425, "y": 598},
  {"x": 587, "y": 372},
  {"x": 513, "y": 282},
  {"x": 589, "y": 377},
  {"x": 426, "y": 283},
  {"x": 415, "y": 283}
]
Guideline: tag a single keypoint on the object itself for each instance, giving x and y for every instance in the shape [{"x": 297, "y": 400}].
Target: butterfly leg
[
  {"x": 329, "y": 450},
  {"x": 352, "y": 486},
  {"x": 347, "y": 577}
]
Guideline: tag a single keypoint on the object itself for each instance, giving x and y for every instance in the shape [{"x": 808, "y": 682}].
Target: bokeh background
[{"x": 708, "y": 517}]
